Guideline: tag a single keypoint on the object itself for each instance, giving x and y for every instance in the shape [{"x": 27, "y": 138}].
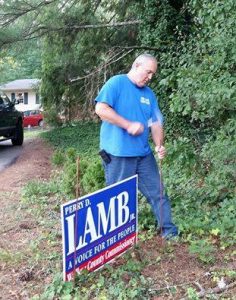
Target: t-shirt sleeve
[
  {"x": 157, "y": 116},
  {"x": 109, "y": 92}
]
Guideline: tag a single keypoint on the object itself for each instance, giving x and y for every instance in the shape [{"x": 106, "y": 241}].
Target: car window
[{"x": 4, "y": 101}]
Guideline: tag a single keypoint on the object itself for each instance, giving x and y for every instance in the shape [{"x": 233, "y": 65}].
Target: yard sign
[{"x": 98, "y": 227}]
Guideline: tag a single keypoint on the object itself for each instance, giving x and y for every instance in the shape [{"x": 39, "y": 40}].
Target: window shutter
[{"x": 25, "y": 98}]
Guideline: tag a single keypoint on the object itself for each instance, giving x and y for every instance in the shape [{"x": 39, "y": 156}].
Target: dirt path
[
  {"x": 34, "y": 162},
  {"x": 17, "y": 229}
]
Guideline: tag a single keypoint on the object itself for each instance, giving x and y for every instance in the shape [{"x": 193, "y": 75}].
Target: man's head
[{"x": 143, "y": 68}]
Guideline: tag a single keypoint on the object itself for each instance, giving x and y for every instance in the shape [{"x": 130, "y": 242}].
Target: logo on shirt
[{"x": 145, "y": 100}]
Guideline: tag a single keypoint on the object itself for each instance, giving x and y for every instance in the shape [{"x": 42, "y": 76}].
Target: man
[{"x": 129, "y": 109}]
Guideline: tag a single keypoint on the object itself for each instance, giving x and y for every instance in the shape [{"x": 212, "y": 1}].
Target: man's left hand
[{"x": 161, "y": 151}]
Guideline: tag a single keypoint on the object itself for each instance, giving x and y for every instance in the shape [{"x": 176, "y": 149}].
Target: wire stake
[{"x": 77, "y": 193}]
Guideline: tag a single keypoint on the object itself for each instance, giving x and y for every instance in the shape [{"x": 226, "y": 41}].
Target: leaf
[{"x": 215, "y": 231}]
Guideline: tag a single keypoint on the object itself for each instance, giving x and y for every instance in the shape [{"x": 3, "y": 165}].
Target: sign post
[{"x": 98, "y": 227}]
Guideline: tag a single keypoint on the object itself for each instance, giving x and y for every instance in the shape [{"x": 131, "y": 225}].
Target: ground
[
  {"x": 18, "y": 228},
  {"x": 171, "y": 267}
]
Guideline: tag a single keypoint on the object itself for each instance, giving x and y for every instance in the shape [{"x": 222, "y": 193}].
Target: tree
[
  {"x": 76, "y": 62},
  {"x": 196, "y": 85},
  {"x": 23, "y": 60},
  {"x": 79, "y": 40}
]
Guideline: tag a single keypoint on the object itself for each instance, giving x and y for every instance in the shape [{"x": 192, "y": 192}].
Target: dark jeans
[{"x": 148, "y": 183}]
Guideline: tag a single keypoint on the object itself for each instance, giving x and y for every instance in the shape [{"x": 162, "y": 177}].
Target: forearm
[
  {"x": 106, "y": 113},
  {"x": 157, "y": 134}
]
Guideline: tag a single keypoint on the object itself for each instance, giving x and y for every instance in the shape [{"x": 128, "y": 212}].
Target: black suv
[{"x": 11, "y": 121}]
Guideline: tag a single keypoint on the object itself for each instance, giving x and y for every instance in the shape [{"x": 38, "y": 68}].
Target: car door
[
  {"x": 1, "y": 113},
  {"x": 26, "y": 120},
  {"x": 33, "y": 116},
  {"x": 8, "y": 118}
]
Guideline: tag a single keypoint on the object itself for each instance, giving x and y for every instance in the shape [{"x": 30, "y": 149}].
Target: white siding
[{"x": 31, "y": 99}]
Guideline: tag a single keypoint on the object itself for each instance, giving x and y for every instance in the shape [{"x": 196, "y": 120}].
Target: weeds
[
  {"x": 123, "y": 283},
  {"x": 9, "y": 257},
  {"x": 204, "y": 250},
  {"x": 192, "y": 294}
]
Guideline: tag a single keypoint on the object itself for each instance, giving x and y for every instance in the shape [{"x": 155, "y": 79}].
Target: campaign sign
[{"x": 98, "y": 227}]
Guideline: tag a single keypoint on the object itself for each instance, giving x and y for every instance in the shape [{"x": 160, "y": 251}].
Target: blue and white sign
[{"x": 98, "y": 227}]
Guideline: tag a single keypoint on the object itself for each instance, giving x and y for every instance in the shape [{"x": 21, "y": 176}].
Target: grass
[
  {"x": 32, "y": 132},
  {"x": 11, "y": 258},
  {"x": 83, "y": 136}
]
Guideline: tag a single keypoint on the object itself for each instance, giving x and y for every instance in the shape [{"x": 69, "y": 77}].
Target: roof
[{"x": 20, "y": 84}]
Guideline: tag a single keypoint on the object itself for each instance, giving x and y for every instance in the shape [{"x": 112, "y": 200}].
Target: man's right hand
[
  {"x": 135, "y": 128},
  {"x": 107, "y": 113}
]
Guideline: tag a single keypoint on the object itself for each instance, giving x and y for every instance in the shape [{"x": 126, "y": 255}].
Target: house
[{"x": 24, "y": 90}]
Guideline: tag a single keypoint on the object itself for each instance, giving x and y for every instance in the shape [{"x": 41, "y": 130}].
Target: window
[
  {"x": 37, "y": 101},
  {"x": 27, "y": 113},
  {"x": 20, "y": 97},
  {"x": 13, "y": 96},
  {"x": 25, "y": 98}
]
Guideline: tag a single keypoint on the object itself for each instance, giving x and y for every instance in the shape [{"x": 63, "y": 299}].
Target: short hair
[{"x": 141, "y": 59}]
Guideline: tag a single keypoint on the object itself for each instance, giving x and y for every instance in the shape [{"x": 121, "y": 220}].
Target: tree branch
[
  {"x": 111, "y": 61},
  {"x": 138, "y": 47},
  {"x": 118, "y": 24},
  {"x": 42, "y": 30},
  {"x": 19, "y": 12}
]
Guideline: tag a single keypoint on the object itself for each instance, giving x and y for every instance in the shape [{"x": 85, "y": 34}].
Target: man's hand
[
  {"x": 161, "y": 151},
  {"x": 135, "y": 128}
]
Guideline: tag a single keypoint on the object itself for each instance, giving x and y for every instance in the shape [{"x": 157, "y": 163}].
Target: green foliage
[
  {"x": 218, "y": 157},
  {"x": 32, "y": 132},
  {"x": 203, "y": 249},
  {"x": 205, "y": 78},
  {"x": 201, "y": 185},
  {"x": 197, "y": 86},
  {"x": 9, "y": 257},
  {"x": 69, "y": 179},
  {"x": 145, "y": 215},
  {"x": 203, "y": 203},
  {"x": 36, "y": 190},
  {"x": 196, "y": 79},
  {"x": 68, "y": 77},
  {"x": 80, "y": 140},
  {"x": 51, "y": 117},
  {"x": 23, "y": 60},
  {"x": 126, "y": 282},
  {"x": 192, "y": 294},
  {"x": 83, "y": 136},
  {"x": 58, "y": 158},
  {"x": 58, "y": 288},
  {"x": 92, "y": 175}
]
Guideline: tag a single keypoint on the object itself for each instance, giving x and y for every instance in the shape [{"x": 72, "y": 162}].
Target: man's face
[{"x": 144, "y": 72}]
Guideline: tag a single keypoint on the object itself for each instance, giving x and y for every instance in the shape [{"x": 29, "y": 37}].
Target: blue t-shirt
[{"x": 134, "y": 104}]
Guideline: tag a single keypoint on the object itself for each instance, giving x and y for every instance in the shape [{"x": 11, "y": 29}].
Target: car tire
[
  {"x": 40, "y": 123},
  {"x": 19, "y": 135}
]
